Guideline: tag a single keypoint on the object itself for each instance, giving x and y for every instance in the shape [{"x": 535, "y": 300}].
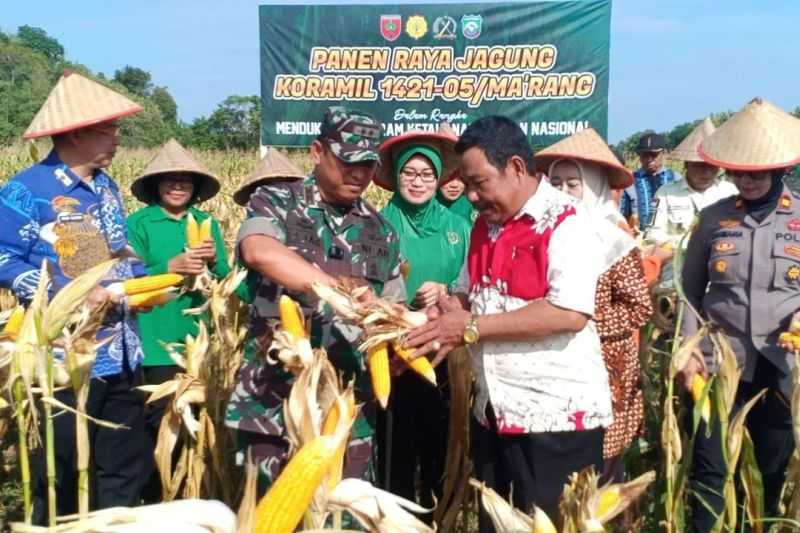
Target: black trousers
[
  {"x": 770, "y": 427},
  {"x": 153, "y": 412},
  {"x": 532, "y": 467},
  {"x": 117, "y": 454},
  {"x": 419, "y": 414}
]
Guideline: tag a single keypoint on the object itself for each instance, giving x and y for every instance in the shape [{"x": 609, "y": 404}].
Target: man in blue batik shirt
[
  {"x": 638, "y": 202},
  {"x": 68, "y": 211}
]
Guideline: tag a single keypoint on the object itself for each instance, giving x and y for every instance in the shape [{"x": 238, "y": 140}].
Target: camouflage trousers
[{"x": 271, "y": 453}]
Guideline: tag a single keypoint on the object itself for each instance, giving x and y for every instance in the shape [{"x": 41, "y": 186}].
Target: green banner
[{"x": 543, "y": 64}]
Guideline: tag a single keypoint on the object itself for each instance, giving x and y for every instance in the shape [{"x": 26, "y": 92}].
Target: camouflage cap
[{"x": 353, "y": 136}]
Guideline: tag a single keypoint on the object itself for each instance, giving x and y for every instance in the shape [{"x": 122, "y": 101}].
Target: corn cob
[
  {"x": 698, "y": 385},
  {"x": 291, "y": 317},
  {"x": 378, "y": 358},
  {"x": 609, "y": 497},
  {"x": 282, "y": 508},
  {"x": 152, "y": 298},
  {"x": 144, "y": 284},
  {"x": 420, "y": 365},
  {"x": 790, "y": 338},
  {"x": 192, "y": 232},
  {"x": 14, "y": 324},
  {"x": 205, "y": 230},
  {"x": 328, "y": 428}
]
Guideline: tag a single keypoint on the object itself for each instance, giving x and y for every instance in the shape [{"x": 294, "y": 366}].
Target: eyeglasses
[{"x": 409, "y": 175}]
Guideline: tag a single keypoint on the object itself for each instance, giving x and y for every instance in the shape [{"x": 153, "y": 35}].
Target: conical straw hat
[
  {"x": 687, "y": 149},
  {"x": 172, "y": 157},
  {"x": 588, "y": 146},
  {"x": 76, "y": 102},
  {"x": 443, "y": 140},
  {"x": 272, "y": 166},
  {"x": 759, "y": 137}
]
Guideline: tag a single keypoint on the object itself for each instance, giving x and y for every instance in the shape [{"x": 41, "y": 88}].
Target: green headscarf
[
  {"x": 432, "y": 240},
  {"x": 460, "y": 206}
]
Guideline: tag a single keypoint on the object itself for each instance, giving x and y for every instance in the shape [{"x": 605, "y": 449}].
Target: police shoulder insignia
[
  {"x": 793, "y": 250},
  {"x": 785, "y": 202},
  {"x": 728, "y": 223},
  {"x": 721, "y": 266},
  {"x": 793, "y": 273},
  {"x": 724, "y": 246}
]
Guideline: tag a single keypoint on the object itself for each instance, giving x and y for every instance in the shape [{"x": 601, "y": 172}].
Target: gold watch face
[{"x": 470, "y": 335}]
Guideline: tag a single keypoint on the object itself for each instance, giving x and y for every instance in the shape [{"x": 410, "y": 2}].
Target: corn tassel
[
  {"x": 378, "y": 358},
  {"x": 150, "y": 283},
  {"x": 192, "y": 232},
  {"x": 420, "y": 365},
  {"x": 152, "y": 298},
  {"x": 205, "y": 230},
  {"x": 698, "y": 385},
  {"x": 282, "y": 508},
  {"x": 291, "y": 317}
]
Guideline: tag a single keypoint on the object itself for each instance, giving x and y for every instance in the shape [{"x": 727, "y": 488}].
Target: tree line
[{"x": 31, "y": 61}]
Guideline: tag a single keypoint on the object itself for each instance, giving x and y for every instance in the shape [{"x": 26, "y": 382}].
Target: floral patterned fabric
[
  {"x": 554, "y": 383},
  {"x": 623, "y": 306}
]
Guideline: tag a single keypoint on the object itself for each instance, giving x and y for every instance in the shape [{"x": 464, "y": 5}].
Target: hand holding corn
[
  {"x": 790, "y": 340},
  {"x": 188, "y": 263}
]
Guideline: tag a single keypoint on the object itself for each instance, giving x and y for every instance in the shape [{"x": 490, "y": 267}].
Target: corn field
[{"x": 310, "y": 491}]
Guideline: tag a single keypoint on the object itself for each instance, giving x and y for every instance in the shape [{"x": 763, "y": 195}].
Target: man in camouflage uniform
[{"x": 296, "y": 232}]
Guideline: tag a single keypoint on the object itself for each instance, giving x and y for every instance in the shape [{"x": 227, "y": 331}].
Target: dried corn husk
[{"x": 375, "y": 509}]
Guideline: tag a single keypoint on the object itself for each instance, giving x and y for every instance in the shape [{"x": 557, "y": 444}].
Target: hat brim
[
  {"x": 84, "y": 124},
  {"x": 243, "y": 194},
  {"x": 445, "y": 144},
  {"x": 619, "y": 177},
  {"x": 744, "y": 168},
  {"x": 206, "y": 187}
]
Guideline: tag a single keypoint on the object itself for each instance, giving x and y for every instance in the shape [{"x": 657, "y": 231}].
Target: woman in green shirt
[
  {"x": 451, "y": 195},
  {"x": 433, "y": 243},
  {"x": 172, "y": 184}
]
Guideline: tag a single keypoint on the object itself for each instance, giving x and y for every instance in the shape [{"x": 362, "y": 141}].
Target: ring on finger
[{"x": 436, "y": 345}]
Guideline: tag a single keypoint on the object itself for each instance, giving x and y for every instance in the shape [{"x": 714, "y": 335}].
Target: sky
[{"x": 672, "y": 61}]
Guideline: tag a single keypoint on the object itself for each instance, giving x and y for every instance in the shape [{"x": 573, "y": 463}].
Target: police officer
[
  {"x": 742, "y": 273},
  {"x": 297, "y": 232},
  {"x": 678, "y": 203},
  {"x": 637, "y": 201}
]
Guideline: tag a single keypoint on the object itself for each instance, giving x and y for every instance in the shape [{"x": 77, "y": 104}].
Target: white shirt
[
  {"x": 678, "y": 205},
  {"x": 556, "y": 383}
]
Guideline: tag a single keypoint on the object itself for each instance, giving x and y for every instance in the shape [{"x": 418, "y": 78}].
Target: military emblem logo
[
  {"x": 793, "y": 273},
  {"x": 416, "y": 26},
  {"x": 721, "y": 266},
  {"x": 728, "y": 223},
  {"x": 391, "y": 27},
  {"x": 794, "y": 224},
  {"x": 444, "y": 28},
  {"x": 724, "y": 246},
  {"x": 471, "y": 26}
]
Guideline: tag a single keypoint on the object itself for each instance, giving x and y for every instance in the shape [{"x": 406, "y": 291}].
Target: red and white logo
[{"x": 391, "y": 27}]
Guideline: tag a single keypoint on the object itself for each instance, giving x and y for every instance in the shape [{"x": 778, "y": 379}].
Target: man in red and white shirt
[{"x": 542, "y": 395}]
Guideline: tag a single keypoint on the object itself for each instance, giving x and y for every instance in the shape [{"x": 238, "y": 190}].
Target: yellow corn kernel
[
  {"x": 205, "y": 230},
  {"x": 328, "y": 428},
  {"x": 698, "y": 384},
  {"x": 378, "y": 358},
  {"x": 291, "y": 317},
  {"x": 282, "y": 508},
  {"x": 420, "y": 365},
  {"x": 192, "y": 232},
  {"x": 152, "y": 298},
  {"x": 609, "y": 497},
  {"x": 150, "y": 283},
  {"x": 791, "y": 338},
  {"x": 14, "y": 323}
]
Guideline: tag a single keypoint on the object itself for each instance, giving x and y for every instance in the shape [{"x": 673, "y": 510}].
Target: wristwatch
[{"x": 471, "y": 334}]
